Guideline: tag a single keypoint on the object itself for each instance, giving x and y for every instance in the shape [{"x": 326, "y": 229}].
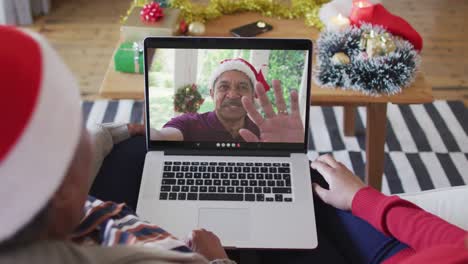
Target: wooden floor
[{"x": 85, "y": 32}]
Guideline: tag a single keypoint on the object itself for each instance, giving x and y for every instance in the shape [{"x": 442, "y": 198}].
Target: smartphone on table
[{"x": 252, "y": 29}]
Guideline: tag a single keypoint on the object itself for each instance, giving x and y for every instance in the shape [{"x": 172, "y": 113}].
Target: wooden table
[{"x": 131, "y": 86}]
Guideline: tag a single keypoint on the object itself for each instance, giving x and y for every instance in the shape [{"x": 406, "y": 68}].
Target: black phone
[{"x": 252, "y": 29}]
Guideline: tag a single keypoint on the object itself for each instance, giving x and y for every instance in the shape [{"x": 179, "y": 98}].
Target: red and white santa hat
[
  {"x": 41, "y": 126},
  {"x": 241, "y": 65}
]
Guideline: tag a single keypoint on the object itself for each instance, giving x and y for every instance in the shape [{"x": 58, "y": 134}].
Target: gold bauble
[
  {"x": 196, "y": 28},
  {"x": 340, "y": 58}
]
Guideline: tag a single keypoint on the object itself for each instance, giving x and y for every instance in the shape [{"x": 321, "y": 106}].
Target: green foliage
[{"x": 286, "y": 66}]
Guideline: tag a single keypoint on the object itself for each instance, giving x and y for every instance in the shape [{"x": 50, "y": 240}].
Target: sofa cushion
[{"x": 451, "y": 204}]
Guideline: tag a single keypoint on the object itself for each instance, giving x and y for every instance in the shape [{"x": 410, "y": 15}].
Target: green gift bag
[{"x": 129, "y": 58}]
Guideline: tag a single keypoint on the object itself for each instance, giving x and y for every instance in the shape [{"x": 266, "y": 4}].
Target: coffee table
[{"x": 118, "y": 85}]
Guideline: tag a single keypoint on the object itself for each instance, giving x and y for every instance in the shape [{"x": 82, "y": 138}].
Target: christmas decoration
[
  {"x": 142, "y": 3},
  {"x": 183, "y": 27},
  {"x": 335, "y": 8},
  {"x": 151, "y": 13},
  {"x": 196, "y": 28},
  {"x": 376, "y": 44},
  {"x": 187, "y": 99},
  {"x": 307, "y": 9},
  {"x": 129, "y": 57},
  {"x": 340, "y": 58},
  {"x": 134, "y": 29},
  {"x": 378, "y": 15},
  {"x": 162, "y": 3},
  {"x": 385, "y": 74},
  {"x": 370, "y": 12}
]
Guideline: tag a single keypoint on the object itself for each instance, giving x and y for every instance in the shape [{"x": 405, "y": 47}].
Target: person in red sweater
[{"x": 408, "y": 234}]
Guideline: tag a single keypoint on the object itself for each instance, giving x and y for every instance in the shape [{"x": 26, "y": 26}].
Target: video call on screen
[{"x": 195, "y": 95}]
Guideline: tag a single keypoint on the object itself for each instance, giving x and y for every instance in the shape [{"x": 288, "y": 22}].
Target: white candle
[
  {"x": 338, "y": 22},
  {"x": 362, "y": 4}
]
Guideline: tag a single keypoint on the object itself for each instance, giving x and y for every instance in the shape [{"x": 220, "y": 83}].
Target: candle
[
  {"x": 362, "y": 4},
  {"x": 338, "y": 22},
  {"x": 361, "y": 8}
]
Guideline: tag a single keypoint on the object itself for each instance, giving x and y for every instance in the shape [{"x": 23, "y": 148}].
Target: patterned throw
[{"x": 109, "y": 224}]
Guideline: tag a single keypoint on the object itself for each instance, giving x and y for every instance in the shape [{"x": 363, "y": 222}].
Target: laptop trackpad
[{"x": 227, "y": 224}]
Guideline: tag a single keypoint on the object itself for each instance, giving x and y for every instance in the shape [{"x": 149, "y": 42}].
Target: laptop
[{"x": 225, "y": 153}]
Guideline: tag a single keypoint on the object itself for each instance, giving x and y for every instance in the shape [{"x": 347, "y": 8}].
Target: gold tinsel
[{"x": 307, "y": 9}]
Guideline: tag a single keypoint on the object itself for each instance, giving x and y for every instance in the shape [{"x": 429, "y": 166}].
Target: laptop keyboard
[{"x": 226, "y": 181}]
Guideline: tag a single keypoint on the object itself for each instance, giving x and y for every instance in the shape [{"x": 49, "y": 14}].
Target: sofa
[{"x": 451, "y": 204}]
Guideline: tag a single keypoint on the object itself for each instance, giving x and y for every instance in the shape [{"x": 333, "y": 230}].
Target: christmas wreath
[
  {"x": 367, "y": 59},
  {"x": 187, "y": 99}
]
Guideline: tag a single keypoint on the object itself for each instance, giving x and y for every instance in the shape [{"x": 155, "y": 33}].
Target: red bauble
[
  {"x": 183, "y": 27},
  {"x": 378, "y": 15},
  {"x": 151, "y": 13}
]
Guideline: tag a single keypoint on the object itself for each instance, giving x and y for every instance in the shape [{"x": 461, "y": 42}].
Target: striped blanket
[{"x": 110, "y": 224}]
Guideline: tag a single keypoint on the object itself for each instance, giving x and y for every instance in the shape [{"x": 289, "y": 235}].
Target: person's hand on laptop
[
  {"x": 343, "y": 184},
  {"x": 206, "y": 243},
  {"x": 282, "y": 126}
]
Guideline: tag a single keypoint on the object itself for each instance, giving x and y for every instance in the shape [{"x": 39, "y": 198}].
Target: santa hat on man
[
  {"x": 41, "y": 126},
  {"x": 241, "y": 65}
]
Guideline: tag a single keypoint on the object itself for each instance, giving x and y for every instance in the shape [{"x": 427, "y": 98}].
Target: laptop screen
[{"x": 219, "y": 96}]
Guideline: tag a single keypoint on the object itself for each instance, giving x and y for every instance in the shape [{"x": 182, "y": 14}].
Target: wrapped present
[
  {"x": 134, "y": 29},
  {"x": 377, "y": 44},
  {"x": 129, "y": 57}
]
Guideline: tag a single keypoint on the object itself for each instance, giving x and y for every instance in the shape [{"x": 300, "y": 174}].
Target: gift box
[
  {"x": 129, "y": 57},
  {"x": 134, "y": 29}
]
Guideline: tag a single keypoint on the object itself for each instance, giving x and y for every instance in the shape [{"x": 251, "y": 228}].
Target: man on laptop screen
[{"x": 234, "y": 87}]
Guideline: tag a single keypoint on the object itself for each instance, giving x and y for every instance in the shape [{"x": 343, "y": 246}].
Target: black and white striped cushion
[{"x": 426, "y": 145}]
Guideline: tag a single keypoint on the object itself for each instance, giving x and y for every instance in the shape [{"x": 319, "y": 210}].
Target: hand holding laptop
[{"x": 282, "y": 126}]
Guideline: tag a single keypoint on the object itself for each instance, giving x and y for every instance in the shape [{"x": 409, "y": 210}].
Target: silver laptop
[{"x": 226, "y": 143}]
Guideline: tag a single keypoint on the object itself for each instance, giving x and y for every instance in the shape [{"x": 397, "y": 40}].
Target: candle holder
[{"x": 360, "y": 8}]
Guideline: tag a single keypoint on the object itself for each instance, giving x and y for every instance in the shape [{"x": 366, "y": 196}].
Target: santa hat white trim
[
  {"x": 230, "y": 66},
  {"x": 35, "y": 167}
]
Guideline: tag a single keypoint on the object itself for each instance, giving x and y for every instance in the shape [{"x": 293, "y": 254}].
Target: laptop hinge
[{"x": 254, "y": 153}]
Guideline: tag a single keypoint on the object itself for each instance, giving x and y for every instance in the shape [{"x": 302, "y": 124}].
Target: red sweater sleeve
[{"x": 405, "y": 221}]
